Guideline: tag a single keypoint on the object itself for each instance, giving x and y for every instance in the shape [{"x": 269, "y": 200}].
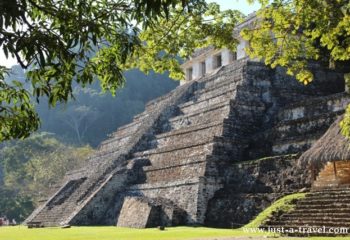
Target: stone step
[
  {"x": 225, "y": 128},
  {"x": 317, "y": 215},
  {"x": 188, "y": 135},
  {"x": 326, "y": 201},
  {"x": 317, "y": 207},
  {"x": 313, "y": 222},
  {"x": 202, "y": 116},
  {"x": 53, "y": 216},
  {"x": 295, "y": 144},
  {"x": 342, "y": 209},
  {"x": 114, "y": 144},
  {"x": 182, "y": 151},
  {"x": 245, "y": 105},
  {"x": 329, "y": 192},
  {"x": 234, "y": 70},
  {"x": 171, "y": 148},
  {"x": 189, "y": 129},
  {"x": 163, "y": 184},
  {"x": 235, "y": 75},
  {"x": 305, "y": 125},
  {"x": 195, "y": 105},
  {"x": 177, "y": 152},
  {"x": 162, "y": 164},
  {"x": 328, "y": 208},
  {"x": 177, "y": 172},
  {"x": 220, "y": 87},
  {"x": 314, "y": 106},
  {"x": 120, "y": 137},
  {"x": 103, "y": 155},
  {"x": 328, "y": 196},
  {"x": 314, "y": 189},
  {"x": 341, "y": 189}
]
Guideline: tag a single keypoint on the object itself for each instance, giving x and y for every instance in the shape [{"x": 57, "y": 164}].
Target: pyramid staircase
[{"x": 323, "y": 212}]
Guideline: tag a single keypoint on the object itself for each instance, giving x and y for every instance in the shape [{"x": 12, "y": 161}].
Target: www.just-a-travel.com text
[{"x": 300, "y": 230}]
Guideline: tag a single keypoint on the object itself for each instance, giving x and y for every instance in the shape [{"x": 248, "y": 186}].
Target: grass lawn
[
  {"x": 114, "y": 233},
  {"x": 174, "y": 233}
]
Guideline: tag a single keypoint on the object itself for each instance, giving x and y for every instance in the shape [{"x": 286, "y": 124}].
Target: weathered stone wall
[{"x": 251, "y": 187}]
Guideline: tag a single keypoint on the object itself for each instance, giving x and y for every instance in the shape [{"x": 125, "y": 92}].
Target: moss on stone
[{"x": 284, "y": 204}]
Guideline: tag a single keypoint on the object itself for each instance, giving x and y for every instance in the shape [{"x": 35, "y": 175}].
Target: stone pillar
[
  {"x": 197, "y": 70},
  {"x": 209, "y": 64},
  {"x": 227, "y": 57},
  {"x": 240, "y": 49}
]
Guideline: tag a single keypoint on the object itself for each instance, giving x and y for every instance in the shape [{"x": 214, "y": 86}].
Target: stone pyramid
[{"x": 186, "y": 159}]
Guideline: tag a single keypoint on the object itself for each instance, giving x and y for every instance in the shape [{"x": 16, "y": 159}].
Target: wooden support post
[
  {"x": 313, "y": 172},
  {"x": 335, "y": 169}
]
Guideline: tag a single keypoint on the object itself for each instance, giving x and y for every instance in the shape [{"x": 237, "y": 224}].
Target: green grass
[
  {"x": 283, "y": 204},
  {"x": 173, "y": 233},
  {"x": 114, "y": 233}
]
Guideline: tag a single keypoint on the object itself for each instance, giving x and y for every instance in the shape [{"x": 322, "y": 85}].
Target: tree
[
  {"x": 31, "y": 168},
  {"x": 60, "y": 42},
  {"x": 80, "y": 119},
  {"x": 290, "y": 33},
  {"x": 14, "y": 206}
]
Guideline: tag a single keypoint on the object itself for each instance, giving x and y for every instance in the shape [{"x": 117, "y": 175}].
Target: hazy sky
[
  {"x": 6, "y": 62},
  {"x": 241, "y": 5}
]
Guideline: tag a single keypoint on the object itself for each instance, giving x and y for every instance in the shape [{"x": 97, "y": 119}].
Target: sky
[{"x": 241, "y": 5}]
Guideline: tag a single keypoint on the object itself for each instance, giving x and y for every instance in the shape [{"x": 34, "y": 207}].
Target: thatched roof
[{"x": 332, "y": 146}]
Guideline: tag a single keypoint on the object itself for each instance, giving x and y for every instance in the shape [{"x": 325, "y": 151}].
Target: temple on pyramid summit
[{"x": 215, "y": 151}]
